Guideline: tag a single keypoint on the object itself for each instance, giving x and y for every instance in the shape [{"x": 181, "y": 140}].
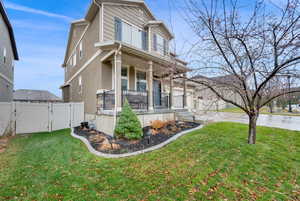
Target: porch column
[
  {"x": 171, "y": 90},
  {"x": 184, "y": 91},
  {"x": 150, "y": 86},
  {"x": 117, "y": 65}
]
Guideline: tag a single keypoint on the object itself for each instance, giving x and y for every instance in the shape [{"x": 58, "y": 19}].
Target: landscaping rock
[
  {"x": 106, "y": 145},
  {"x": 151, "y": 137},
  {"x": 97, "y": 138}
]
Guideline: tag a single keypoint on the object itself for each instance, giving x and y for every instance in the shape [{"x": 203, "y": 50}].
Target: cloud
[
  {"x": 29, "y": 25},
  {"x": 18, "y": 7}
]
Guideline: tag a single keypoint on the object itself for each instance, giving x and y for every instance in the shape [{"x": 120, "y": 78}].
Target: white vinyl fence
[
  {"x": 22, "y": 118},
  {"x": 6, "y": 117}
]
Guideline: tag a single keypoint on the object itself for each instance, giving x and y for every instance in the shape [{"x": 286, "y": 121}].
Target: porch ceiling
[{"x": 135, "y": 57}]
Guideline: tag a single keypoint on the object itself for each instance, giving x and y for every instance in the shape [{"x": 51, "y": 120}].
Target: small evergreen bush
[{"x": 128, "y": 125}]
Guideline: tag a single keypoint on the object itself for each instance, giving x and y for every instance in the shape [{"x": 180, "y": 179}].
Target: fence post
[
  {"x": 71, "y": 119},
  {"x": 50, "y": 116},
  {"x": 13, "y": 120}
]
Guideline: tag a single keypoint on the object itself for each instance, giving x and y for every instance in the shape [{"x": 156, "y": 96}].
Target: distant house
[
  {"x": 8, "y": 53},
  {"x": 35, "y": 96},
  {"x": 206, "y": 99}
]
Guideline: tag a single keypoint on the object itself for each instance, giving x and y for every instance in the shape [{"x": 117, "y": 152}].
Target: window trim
[
  {"x": 140, "y": 29},
  {"x": 127, "y": 77},
  {"x": 164, "y": 51},
  {"x": 80, "y": 84},
  {"x": 80, "y": 50},
  {"x": 75, "y": 59},
  {"x": 4, "y": 55}
]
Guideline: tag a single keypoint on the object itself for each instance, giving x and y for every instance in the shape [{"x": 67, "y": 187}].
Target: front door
[{"x": 157, "y": 92}]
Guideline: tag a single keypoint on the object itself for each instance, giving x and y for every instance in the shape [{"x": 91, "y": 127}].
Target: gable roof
[
  {"x": 35, "y": 95},
  {"x": 161, "y": 23},
  {"x": 10, "y": 30},
  {"x": 93, "y": 8}
]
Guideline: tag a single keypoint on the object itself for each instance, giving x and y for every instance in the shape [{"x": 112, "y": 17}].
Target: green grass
[
  {"x": 214, "y": 163},
  {"x": 262, "y": 111}
]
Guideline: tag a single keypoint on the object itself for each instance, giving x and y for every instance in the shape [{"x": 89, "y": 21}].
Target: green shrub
[{"x": 128, "y": 125}]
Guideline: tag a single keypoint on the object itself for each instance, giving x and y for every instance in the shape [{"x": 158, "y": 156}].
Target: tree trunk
[
  {"x": 252, "y": 128},
  {"x": 271, "y": 107}
]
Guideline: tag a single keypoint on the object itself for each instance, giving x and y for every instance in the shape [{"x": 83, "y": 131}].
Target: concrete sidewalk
[{"x": 276, "y": 121}]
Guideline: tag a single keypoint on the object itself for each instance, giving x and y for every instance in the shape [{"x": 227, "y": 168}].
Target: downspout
[{"x": 115, "y": 111}]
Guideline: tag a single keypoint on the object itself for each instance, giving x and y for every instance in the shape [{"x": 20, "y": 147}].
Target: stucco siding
[
  {"x": 91, "y": 82},
  {"x": 133, "y": 14},
  {"x": 6, "y": 91},
  {"x": 6, "y": 69},
  {"x": 77, "y": 33},
  {"x": 106, "y": 76},
  {"x": 132, "y": 78}
]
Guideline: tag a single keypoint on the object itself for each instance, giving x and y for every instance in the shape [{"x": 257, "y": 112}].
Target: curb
[{"x": 97, "y": 153}]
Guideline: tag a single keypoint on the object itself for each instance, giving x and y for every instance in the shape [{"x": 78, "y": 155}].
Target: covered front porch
[{"x": 145, "y": 81}]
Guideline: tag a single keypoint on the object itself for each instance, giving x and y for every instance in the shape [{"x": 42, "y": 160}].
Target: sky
[{"x": 41, "y": 30}]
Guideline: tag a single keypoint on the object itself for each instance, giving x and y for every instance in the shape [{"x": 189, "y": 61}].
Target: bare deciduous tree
[{"x": 250, "y": 46}]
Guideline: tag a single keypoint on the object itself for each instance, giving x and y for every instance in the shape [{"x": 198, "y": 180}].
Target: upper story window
[
  {"x": 74, "y": 59},
  {"x": 130, "y": 34},
  {"x": 70, "y": 62},
  {"x": 4, "y": 55},
  {"x": 80, "y": 50},
  {"x": 80, "y": 84},
  {"x": 160, "y": 44}
]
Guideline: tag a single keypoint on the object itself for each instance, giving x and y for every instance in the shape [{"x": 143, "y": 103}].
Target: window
[
  {"x": 80, "y": 84},
  {"x": 130, "y": 34},
  {"x": 74, "y": 59},
  {"x": 160, "y": 44},
  {"x": 141, "y": 81},
  {"x": 126, "y": 33},
  {"x": 80, "y": 81},
  {"x": 70, "y": 64},
  {"x": 80, "y": 50},
  {"x": 124, "y": 81},
  {"x": 4, "y": 55},
  {"x": 136, "y": 38}
]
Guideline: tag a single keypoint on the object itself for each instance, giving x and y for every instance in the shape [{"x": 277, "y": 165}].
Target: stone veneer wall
[{"x": 105, "y": 123}]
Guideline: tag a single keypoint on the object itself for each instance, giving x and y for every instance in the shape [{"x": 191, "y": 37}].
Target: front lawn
[
  {"x": 214, "y": 163},
  {"x": 262, "y": 111}
]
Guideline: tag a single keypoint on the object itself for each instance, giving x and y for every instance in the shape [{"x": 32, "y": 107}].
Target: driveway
[{"x": 276, "y": 121}]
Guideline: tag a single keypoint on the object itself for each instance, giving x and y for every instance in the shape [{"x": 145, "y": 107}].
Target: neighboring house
[
  {"x": 8, "y": 53},
  {"x": 35, "y": 96},
  {"x": 207, "y": 100},
  {"x": 121, "y": 51}
]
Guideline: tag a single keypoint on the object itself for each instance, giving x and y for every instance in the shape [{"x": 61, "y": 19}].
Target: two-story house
[
  {"x": 119, "y": 52},
  {"x": 8, "y": 53}
]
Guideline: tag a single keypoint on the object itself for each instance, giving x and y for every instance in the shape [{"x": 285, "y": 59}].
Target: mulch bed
[{"x": 107, "y": 144}]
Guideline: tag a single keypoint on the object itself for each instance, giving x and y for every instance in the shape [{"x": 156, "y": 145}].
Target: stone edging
[{"x": 104, "y": 155}]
